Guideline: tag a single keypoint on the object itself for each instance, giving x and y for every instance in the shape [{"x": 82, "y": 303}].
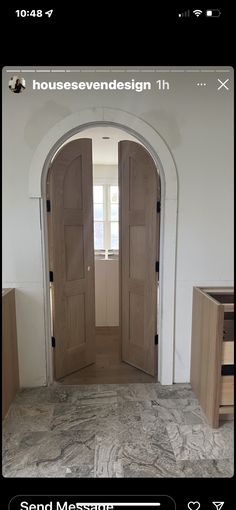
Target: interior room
[{"x": 118, "y": 299}]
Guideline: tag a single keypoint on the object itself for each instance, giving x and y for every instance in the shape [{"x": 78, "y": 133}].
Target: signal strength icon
[
  {"x": 218, "y": 504},
  {"x": 185, "y": 14},
  {"x": 197, "y": 12}
]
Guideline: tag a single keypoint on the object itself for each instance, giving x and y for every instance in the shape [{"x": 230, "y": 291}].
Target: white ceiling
[{"x": 105, "y": 152}]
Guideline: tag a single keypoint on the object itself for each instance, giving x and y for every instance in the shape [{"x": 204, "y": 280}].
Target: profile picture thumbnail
[{"x": 17, "y": 84}]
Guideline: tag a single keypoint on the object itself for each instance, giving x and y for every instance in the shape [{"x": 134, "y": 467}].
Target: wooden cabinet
[
  {"x": 10, "y": 370},
  {"x": 212, "y": 354}
]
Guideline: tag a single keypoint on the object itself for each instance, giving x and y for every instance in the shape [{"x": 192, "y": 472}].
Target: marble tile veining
[
  {"x": 27, "y": 418},
  {"x": 72, "y": 417},
  {"x": 48, "y": 453},
  {"x": 107, "y": 462},
  {"x": 206, "y": 468},
  {"x": 147, "y": 460},
  {"x": 162, "y": 412},
  {"x": 44, "y": 395},
  {"x": 142, "y": 430},
  {"x": 81, "y": 471},
  {"x": 194, "y": 442}
]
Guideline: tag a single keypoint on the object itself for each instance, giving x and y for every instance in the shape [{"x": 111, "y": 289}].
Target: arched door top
[{"x": 91, "y": 117}]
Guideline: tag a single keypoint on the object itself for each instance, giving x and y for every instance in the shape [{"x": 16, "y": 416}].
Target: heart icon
[{"x": 193, "y": 505}]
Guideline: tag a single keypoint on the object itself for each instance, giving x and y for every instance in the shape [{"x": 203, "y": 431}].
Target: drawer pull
[{"x": 227, "y": 370}]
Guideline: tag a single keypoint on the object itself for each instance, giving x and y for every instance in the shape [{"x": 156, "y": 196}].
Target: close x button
[{"x": 223, "y": 84}]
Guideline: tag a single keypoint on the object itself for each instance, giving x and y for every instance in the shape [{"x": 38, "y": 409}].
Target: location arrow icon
[{"x": 218, "y": 504}]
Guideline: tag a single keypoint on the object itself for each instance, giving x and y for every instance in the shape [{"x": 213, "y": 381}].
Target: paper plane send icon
[{"x": 218, "y": 504}]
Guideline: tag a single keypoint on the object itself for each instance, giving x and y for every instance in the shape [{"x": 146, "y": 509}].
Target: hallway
[
  {"x": 108, "y": 367},
  {"x": 113, "y": 431}
]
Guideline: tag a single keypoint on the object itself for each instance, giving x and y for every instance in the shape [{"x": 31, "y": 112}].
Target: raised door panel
[
  {"x": 139, "y": 188},
  {"x": 72, "y": 257}
]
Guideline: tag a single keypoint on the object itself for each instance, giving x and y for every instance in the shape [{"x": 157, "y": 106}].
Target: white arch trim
[{"x": 151, "y": 139}]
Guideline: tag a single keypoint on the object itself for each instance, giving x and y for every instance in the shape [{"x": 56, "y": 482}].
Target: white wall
[
  {"x": 105, "y": 173},
  {"x": 107, "y": 292},
  {"x": 106, "y": 271},
  {"x": 197, "y": 125}
]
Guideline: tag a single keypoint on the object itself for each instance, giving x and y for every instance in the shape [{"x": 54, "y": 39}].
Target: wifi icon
[{"x": 197, "y": 12}]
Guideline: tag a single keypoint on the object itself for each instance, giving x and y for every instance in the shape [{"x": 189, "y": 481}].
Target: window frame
[
  {"x": 99, "y": 221},
  {"x": 106, "y": 184}
]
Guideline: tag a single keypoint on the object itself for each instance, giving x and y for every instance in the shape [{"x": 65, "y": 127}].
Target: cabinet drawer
[
  {"x": 227, "y": 390},
  {"x": 227, "y": 353}
]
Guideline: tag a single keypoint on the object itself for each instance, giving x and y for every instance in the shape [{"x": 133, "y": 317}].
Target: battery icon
[{"x": 213, "y": 13}]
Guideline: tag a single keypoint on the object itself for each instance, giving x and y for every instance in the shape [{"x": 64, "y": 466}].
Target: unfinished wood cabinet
[
  {"x": 10, "y": 370},
  {"x": 212, "y": 355}
]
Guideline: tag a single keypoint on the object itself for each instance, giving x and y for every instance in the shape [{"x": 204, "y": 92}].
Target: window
[
  {"x": 106, "y": 217},
  {"x": 114, "y": 217},
  {"x": 98, "y": 211}
]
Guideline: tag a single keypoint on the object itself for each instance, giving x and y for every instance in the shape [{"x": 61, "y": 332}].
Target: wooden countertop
[{"x": 6, "y": 291}]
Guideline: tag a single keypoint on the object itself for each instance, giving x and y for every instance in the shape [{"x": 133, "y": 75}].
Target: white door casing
[{"x": 154, "y": 143}]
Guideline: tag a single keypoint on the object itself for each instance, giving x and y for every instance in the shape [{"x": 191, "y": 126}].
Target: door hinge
[
  {"x": 158, "y": 207},
  {"x": 48, "y": 205},
  {"x": 157, "y": 266},
  {"x": 51, "y": 276},
  {"x": 156, "y": 340},
  {"x": 53, "y": 341}
]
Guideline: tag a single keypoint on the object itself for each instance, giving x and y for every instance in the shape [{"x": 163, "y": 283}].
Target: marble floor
[{"x": 113, "y": 430}]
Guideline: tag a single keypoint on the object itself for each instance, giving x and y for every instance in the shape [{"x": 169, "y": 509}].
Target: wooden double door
[{"x": 71, "y": 256}]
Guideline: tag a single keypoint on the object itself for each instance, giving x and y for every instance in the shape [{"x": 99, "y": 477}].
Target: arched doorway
[{"x": 161, "y": 155}]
